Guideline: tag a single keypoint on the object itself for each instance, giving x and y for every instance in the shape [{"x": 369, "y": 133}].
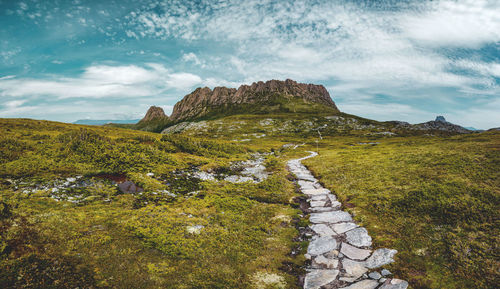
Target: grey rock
[
  {"x": 341, "y": 228},
  {"x": 353, "y": 269},
  {"x": 380, "y": 257},
  {"x": 315, "y": 204},
  {"x": 318, "y": 186},
  {"x": 359, "y": 237},
  {"x": 322, "y": 230},
  {"x": 306, "y": 176},
  {"x": 204, "y": 176},
  {"x": 196, "y": 229},
  {"x": 364, "y": 284},
  {"x": 325, "y": 263},
  {"x": 321, "y": 245},
  {"x": 334, "y": 254},
  {"x": 313, "y": 191},
  {"x": 335, "y": 204},
  {"x": 319, "y": 277},
  {"x": 330, "y": 217},
  {"x": 129, "y": 187},
  {"x": 322, "y": 209},
  {"x": 382, "y": 280},
  {"x": 238, "y": 179},
  {"x": 323, "y": 197},
  {"x": 375, "y": 275},
  {"x": 354, "y": 253},
  {"x": 306, "y": 185},
  {"x": 395, "y": 284},
  {"x": 385, "y": 272},
  {"x": 440, "y": 118}
]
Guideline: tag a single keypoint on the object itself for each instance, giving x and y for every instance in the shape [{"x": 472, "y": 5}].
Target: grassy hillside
[
  {"x": 433, "y": 197},
  {"x": 209, "y": 235}
]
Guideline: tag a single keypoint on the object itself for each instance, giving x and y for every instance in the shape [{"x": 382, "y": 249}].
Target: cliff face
[
  {"x": 154, "y": 113},
  {"x": 200, "y": 101}
]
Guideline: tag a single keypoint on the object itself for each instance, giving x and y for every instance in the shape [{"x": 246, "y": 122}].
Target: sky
[{"x": 403, "y": 60}]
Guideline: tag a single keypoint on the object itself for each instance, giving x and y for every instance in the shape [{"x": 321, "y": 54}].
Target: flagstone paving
[{"x": 340, "y": 251}]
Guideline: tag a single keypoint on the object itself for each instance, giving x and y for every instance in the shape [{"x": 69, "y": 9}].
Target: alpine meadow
[{"x": 163, "y": 144}]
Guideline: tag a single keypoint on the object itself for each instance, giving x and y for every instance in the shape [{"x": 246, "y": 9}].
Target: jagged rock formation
[
  {"x": 201, "y": 101},
  {"x": 154, "y": 113},
  {"x": 440, "y": 118}
]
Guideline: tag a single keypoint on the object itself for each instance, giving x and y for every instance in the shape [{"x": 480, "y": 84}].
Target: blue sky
[{"x": 385, "y": 60}]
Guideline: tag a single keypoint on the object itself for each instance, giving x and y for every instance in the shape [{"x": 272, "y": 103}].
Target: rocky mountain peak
[
  {"x": 154, "y": 113},
  {"x": 202, "y": 100},
  {"x": 440, "y": 118}
]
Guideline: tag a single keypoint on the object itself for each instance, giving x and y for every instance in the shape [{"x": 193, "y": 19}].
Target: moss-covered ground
[{"x": 220, "y": 236}]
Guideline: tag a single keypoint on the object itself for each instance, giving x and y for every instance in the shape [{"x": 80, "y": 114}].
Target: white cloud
[
  {"x": 103, "y": 81},
  {"x": 14, "y": 103},
  {"x": 331, "y": 40},
  {"x": 191, "y": 57},
  {"x": 468, "y": 23},
  {"x": 183, "y": 80}
]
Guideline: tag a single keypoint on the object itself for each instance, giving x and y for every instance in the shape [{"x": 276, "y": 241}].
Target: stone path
[{"x": 340, "y": 251}]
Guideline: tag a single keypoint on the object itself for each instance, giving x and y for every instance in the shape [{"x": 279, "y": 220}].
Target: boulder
[{"x": 129, "y": 187}]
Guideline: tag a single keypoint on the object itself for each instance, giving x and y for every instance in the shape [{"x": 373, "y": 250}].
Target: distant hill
[{"x": 105, "y": 121}]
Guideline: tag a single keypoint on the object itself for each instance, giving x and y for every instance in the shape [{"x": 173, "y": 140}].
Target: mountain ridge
[{"x": 203, "y": 101}]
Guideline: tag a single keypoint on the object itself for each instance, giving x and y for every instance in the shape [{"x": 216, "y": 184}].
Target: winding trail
[{"x": 340, "y": 251}]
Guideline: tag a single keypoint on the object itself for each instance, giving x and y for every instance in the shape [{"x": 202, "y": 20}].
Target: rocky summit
[
  {"x": 154, "y": 113},
  {"x": 202, "y": 101}
]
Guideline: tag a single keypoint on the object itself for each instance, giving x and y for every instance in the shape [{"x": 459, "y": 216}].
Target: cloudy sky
[{"x": 407, "y": 60}]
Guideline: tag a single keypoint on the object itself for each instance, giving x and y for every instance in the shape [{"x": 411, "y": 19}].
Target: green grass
[
  {"x": 115, "y": 240},
  {"x": 433, "y": 198}
]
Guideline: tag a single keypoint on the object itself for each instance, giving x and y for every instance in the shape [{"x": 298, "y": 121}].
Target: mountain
[
  {"x": 105, "y": 121},
  {"x": 290, "y": 107},
  {"x": 154, "y": 113},
  {"x": 259, "y": 97},
  {"x": 439, "y": 124}
]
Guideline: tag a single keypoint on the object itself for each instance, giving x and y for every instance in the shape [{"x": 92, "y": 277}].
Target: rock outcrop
[
  {"x": 154, "y": 113},
  {"x": 440, "y": 118},
  {"x": 201, "y": 101}
]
